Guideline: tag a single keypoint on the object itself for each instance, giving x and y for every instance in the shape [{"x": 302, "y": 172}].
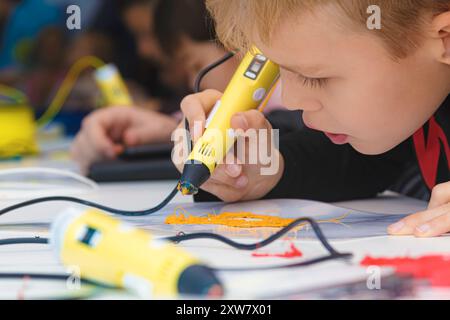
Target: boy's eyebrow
[{"x": 300, "y": 69}]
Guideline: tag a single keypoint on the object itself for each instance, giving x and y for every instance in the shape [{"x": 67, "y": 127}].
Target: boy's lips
[
  {"x": 334, "y": 137},
  {"x": 337, "y": 138}
]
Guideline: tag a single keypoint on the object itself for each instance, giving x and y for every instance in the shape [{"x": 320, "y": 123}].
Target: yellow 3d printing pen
[
  {"x": 17, "y": 125},
  {"x": 247, "y": 89},
  {"x": 112, "y": 86},
  {"x": 108, "y": 251}
]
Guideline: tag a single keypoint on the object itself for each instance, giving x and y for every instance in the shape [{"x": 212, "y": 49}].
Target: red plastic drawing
[
  {"x": 293, "y": 252},
  {"x": 434, "y": 268}
]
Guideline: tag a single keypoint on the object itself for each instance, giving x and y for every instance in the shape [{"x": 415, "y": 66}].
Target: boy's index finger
[
  {"x": 204, "y": 101},
  {"x": 195, "y": 107},
  {"x": 208, "y": 98},
  {"x": 192, "y": 110}
]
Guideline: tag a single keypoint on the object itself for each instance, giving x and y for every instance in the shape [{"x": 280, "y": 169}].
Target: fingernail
[
  {"x": 233, "y": 169},
  {"x": 396, "y": 226},
  {"x": 241, "y": 182},
  {"x": 424, "y": 228},
  {"x": 197, "y": 130},
  {"x": 193, "y": 134}
]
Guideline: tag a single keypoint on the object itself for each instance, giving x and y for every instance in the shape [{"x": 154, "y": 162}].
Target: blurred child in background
[{"x": 22, "y": 23}]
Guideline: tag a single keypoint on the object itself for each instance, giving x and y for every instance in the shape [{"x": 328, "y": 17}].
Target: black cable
[
  {"x": 93, "y": 205},
  {"x": 120, "y": 212},
  {"x": 188, "y": 136},
  {"x": 213, "y": 236},
  {"x": 253, "y": 246},
  {"x": 40, "y": 276},
  {"x": 35, "y": 240},
  {"x": 333, "y": 254},
  {"x": 209, "y": 68},
  {"x": 288, "y": 266}
]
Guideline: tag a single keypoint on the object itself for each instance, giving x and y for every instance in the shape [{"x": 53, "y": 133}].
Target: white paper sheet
[{"x": 355, "y": 224}]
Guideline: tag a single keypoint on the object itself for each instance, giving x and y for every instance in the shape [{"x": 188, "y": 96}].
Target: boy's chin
[{"x": 371, "y": 149}]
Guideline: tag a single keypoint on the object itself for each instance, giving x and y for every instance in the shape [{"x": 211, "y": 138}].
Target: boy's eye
[{"x": 313, "y": 82}]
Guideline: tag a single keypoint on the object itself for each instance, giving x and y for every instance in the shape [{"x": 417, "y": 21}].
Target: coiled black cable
[
  {"x": 333, "y": 254},
  {"x": 120, "y": 212},
  {"x": 93, "y": 205}
]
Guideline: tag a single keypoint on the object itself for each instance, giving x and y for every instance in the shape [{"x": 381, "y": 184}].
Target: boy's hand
[
  {"x": 106, "y": 132},
  {"x": 237, "y": 181},
  {"x": 432, "y": 222}
]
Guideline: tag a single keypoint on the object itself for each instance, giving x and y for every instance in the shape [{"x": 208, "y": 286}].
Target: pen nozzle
[
  {"x": 187, "y": 188},
  {"x": 194, "y": 175}
]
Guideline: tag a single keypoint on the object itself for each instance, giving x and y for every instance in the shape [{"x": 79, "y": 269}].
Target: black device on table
[{"x": 139, "y": 163}]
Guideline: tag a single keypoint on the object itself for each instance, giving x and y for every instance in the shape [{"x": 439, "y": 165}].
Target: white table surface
[{"x": 33, "y": 221}]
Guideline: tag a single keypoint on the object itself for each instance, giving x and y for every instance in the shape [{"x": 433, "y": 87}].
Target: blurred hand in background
[{"x": 106, "y": 133}]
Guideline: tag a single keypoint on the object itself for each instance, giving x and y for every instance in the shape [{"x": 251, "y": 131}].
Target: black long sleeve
[{"x": 317, "y": 169}]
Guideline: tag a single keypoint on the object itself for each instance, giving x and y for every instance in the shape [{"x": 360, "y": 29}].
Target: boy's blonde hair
[{"x": 238, "y": 21}]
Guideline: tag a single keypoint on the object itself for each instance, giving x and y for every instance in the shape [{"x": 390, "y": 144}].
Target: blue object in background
[
  {"x": 71, "y": 120},
  {"x": 27, "y": 20}
]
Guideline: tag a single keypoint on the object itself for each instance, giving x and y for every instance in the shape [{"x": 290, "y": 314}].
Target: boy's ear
[{"x": 441, "y": 32}]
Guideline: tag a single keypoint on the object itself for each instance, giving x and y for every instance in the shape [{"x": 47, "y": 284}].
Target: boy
[{"x": 374, "y": 99}]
